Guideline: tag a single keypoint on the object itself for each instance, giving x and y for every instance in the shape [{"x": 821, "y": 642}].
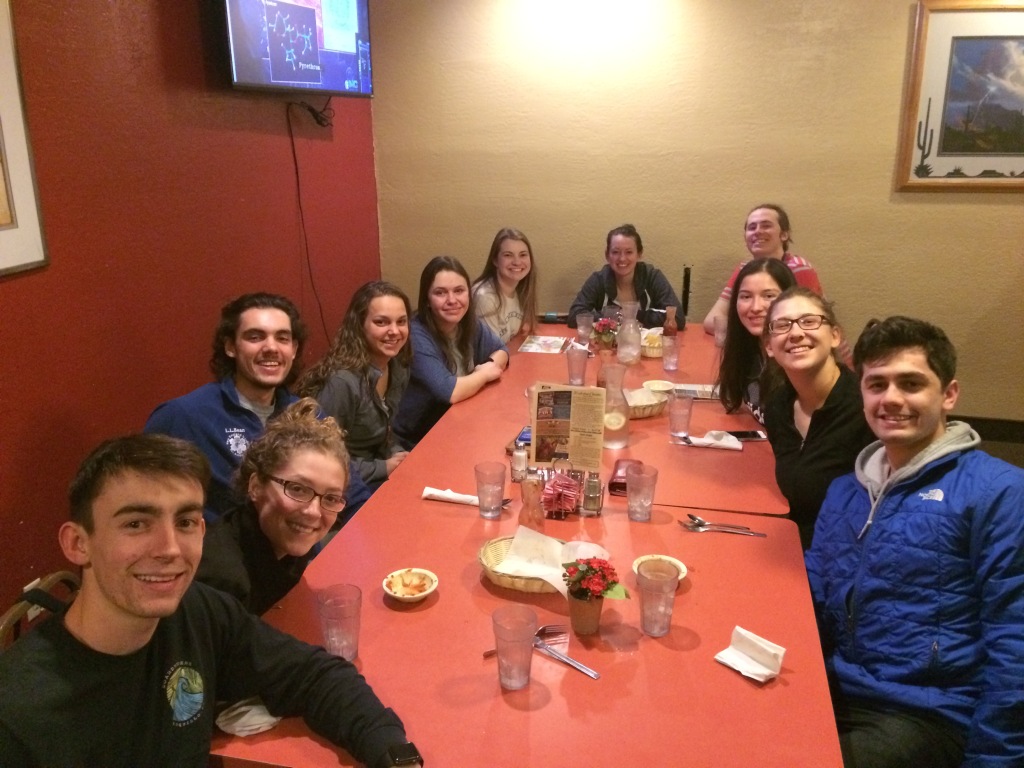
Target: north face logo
[{"x": 935, "y": 494}]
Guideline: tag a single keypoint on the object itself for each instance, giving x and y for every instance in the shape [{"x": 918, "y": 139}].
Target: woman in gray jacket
[{"x": 361, "y": 379}]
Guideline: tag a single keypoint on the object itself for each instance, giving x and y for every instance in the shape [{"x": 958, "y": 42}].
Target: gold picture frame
[
  {"x": 963, "y": 123},
  {"x": 21, "y": 231}
]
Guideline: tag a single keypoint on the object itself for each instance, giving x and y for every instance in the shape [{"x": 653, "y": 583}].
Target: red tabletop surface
[
  {"x": 662, "y": 701},
  {"x": 704, "y": 478},
  {"x": 659, "y": 701}
]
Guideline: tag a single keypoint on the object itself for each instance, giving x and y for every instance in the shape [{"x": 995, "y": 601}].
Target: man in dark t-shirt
[{"x": 128, "y": 675}]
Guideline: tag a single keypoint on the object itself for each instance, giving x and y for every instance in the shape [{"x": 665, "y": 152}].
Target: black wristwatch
[{"x": 404, "y": 754}]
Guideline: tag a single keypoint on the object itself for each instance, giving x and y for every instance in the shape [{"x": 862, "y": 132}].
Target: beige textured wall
[{"x": 566, "y": 118}]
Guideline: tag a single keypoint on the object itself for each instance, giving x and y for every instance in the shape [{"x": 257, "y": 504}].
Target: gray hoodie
[{"x": 874, "y": 473}]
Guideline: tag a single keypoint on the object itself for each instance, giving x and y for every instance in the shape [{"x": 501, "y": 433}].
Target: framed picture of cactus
[{"x": 963, "y": 106}]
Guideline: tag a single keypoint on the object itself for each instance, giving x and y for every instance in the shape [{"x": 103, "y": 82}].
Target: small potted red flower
[
  {"x": 603, "y": 333},
  {"x": 590, "y": 580}
]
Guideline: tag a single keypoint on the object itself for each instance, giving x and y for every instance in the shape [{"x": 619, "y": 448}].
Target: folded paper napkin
[
  {"x": 450, "y": 495},
  {"x": 534, "y": 554},
  {"x": 246, "y": 718},
  {"x": 752, "y": 656},
  {"x": 716, "y": 438}
]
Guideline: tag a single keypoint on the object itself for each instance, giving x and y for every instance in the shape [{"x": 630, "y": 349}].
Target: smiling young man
[
  {"x": 917, "y": 571},
  {"x": 129, "y": 674},
  {"x": 257, "y": 352},
  {"x": 766, "y": 233}
]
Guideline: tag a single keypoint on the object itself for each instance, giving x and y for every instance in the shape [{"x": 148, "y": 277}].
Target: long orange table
[
  {"x": 662, "y": 701},
  {"x": 703, "y": 478}
]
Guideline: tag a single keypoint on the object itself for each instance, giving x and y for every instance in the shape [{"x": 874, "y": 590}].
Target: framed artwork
[
  {"x": 21, "y": 232},
  {"x": 963, "y": 110}
]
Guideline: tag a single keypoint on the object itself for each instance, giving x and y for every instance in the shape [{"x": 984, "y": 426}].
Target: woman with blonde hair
[
  {"x": 293, "y": 479},
  {"x": 504, "y": 295},
  {"x": 361, "y": 379}
]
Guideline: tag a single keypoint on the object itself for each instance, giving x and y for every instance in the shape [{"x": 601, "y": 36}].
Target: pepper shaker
[{"x": 593, "y": 495}]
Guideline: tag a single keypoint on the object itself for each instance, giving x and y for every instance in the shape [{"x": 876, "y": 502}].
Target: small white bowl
[
  {"x": 429, "y": 576},
  {"x": 677, "y": 563},
  {"x": 659, "y": 385}
]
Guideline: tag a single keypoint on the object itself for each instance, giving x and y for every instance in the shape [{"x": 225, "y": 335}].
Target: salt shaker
[{"x": 519, "y": 461}]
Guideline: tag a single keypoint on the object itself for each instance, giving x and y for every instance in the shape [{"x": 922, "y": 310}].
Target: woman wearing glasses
[
  {"x": 293, "y": 479},
  {"x": 743, "y": 374},
  {"x": 815, "y": 418}
]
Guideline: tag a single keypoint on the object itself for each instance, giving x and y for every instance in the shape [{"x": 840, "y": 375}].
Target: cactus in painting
[{"x": 925, "y": 137}]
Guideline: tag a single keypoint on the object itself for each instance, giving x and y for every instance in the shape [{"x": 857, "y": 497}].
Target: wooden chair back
[{"x": 48, "y": 595}]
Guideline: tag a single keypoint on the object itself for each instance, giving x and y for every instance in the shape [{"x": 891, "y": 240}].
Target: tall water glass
[
  {"x": 514, "y": 628},
  {"x": 584, "y": 326},
  {"x": 640, "y": 483},
  {"x": 490, "y": 487},
  {"x": 669, "y": 353},
  {"x": 657, "y": 580},
  {"x": 680, "y": 408}
]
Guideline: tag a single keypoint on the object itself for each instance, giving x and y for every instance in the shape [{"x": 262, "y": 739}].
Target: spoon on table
[
  {"x": 701, "y": 521},
  {"x": 691, "y": 526}
]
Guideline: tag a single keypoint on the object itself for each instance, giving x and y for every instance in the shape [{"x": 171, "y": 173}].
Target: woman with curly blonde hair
[
  {"x": 293, "y": 479},
  {"x": 361, "y": 379}
]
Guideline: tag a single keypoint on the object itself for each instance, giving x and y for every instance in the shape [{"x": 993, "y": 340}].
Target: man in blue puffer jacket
[{"x": 917, "y": 572}]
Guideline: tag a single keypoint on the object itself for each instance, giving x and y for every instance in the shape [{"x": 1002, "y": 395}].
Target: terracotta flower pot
[{"x": 585, "y": 615}]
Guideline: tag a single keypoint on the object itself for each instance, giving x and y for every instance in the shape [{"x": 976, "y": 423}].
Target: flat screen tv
[{"x": 319, "y": 46}]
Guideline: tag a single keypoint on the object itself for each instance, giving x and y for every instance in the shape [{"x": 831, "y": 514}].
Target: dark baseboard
[{"x": 997, "y": 430}]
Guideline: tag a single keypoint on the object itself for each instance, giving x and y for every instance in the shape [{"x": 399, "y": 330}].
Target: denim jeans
[{"x": 875, "y": 734}]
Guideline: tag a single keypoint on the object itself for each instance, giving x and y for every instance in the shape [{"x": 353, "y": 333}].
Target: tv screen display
[{"x": 301, "y": 45}]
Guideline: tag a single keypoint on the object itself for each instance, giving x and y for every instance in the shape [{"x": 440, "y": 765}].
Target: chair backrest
[{"x": 48, "y": 595}]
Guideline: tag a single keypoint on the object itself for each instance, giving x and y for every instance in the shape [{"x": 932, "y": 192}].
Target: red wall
[{"x": 164, "y": 193}]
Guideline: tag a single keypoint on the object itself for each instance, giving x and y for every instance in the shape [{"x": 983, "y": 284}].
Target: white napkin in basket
[
  {"x": 752, "y": 656},
  {"x": 534, "y": 554}
]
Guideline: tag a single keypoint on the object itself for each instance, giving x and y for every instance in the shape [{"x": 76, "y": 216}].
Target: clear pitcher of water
[
  {"x": 628, "y": 336},
  {"x": 616, "y": 409}
]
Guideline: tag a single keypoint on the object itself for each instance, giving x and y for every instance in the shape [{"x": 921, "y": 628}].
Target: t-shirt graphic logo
[
  {"x": 935, "y": 494},
  {"x": 183, "y": 687},
  {"x": 237, "y": 443}
]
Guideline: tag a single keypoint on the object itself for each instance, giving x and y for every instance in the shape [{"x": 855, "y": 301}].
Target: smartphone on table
[{"x": 749, "y": 434}]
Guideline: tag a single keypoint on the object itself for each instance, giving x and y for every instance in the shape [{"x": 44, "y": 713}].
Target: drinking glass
[
  {"x": 514, "y": 628},
  {"x": 339, "y": 607},
  {"x": 657, "y": 580},
  {"x": 680, "y": 407},
  {"x": 490, "y": 486},
  {"x": 640, "y": 482},
  {"x": 669, "y": 353},
  {"x": 577, "y": 360},
  {"x": 584, "y": 326}
]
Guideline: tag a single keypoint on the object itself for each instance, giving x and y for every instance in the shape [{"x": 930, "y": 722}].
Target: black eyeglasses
[
  {"x": 329, "y": 502},
  {"x": 806, "y": 323}
]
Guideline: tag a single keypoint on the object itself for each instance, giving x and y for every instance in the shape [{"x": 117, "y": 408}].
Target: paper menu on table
[
  {"x": 567, "y": 423},
  {"x": 550, "y": 345},
  {"x": 539, "y": 556}
]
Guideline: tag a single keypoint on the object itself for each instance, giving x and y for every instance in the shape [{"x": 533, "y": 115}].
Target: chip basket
[
  {"x": 648, "y": 410},
  {"x": 492, "y": 553}
]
